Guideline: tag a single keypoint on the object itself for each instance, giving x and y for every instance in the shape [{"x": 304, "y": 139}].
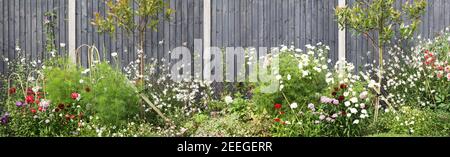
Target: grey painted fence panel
[{"x": 234, "y": 23}]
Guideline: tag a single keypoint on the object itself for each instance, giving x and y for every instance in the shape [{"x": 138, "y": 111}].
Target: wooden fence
[{"x": 233, "y": 23}]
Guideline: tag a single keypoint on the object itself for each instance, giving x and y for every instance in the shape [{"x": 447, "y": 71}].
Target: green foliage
[
  {"x": 415, "y": 122},
  {"x": 381, "y": 16},
  {"x": 61, "y": 82},
  {"x": 302, "y": 78},
  {"x": 109, "y": 94},
  {"x": 49, "y": 29},
  {"x": 121, "y": 12},
  {"x": 420, "y": 77}
]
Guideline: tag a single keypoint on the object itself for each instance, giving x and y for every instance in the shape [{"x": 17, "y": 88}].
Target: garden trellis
[{"x": 233, "y": 23}]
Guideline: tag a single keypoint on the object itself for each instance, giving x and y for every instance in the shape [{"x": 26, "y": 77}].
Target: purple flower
[
  {"x": 312, "y": 107},
  {"x": 19, "y": 104},
  {"x": 4, "y": 119},
  {"x": 336, "y": 102},
  {"x": 322, "y": 117},
  {"x": 327, "y": 100}
]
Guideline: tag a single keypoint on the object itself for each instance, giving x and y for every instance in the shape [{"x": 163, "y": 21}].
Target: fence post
[
  {"x": 341, "y": 37},
  {"x": 206, "y": 36},
  {"x": 71, "y": 13}
]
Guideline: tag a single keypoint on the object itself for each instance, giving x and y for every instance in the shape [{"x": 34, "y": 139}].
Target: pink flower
[
  {"x": 439, "y": 75},
  {"x": 363, "y": 95},
  {"x": 448, "y": 76},
  {"x": 75, "y": 96},
  {"x": 321, "y": 117}
]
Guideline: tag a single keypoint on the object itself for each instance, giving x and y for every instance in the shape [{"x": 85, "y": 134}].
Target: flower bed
[{"x": 54, "y": 98}]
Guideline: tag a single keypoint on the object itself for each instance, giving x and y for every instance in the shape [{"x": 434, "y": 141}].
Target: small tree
[
  {"x": 122, "y": 13},
  {"x": 368, "y": 17}
]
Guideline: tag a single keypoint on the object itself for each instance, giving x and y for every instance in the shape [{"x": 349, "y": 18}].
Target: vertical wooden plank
[
  {"x": 33, "y": 30},
  {"x": 242, "y": 23},
  {"x": 220, "y": 23},
  {"x": 28, "y": 41},
  {"x": 315, "y": 21},
  {"x": 441, "y": 15},
  {"x": 62, "y": 26},
  {"x": 172, "y": 31},
  {"x": 14, "y": 30},
  {"x": 78, "y": 13},
  {"x": 231, "y": 32},
  {"x": 260, "y": 23},
  {"x": 247, "y": 20},
  {"x": 262, "y": 19},
  {"x": 326, "y": 24},
  {"x": 101, "y": 37},
  {"x": 225, "y": 24},
  {"x": 92, "y": 29},
  {"x": 2, "y": 37},
  {"x": 303, "y": 23},
  {"x": 331, "y": 30},
  {"x": 320, "y": 22},
  {"x": 16, "y": 24},
  {"x": 291, "y": 20},
  {"x": 39, "y": 30},
  {"x": 57, "y": 9},
  {"x": 447, "y": 12},
  {"x": 309, "y": 20},
  {"x": 284, "y": 23},
  {"x": 297, "y": 23},
  {"x": 166, "y": 40},
  {"x": 191, "y": 27},
  {"x": 214, "y": 21},
  {"x": 254, "y": 25},
  {"x": 84, "y": 33}
]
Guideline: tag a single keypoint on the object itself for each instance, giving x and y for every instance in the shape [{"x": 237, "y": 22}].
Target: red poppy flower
[
  {"x": 30, "y": 91},
  {"x": 40, "y": 109},
  {"x": 67, "y": 117},
  {"x": 12, "y": 90},
  {"x": 33, "y": 110},
  {"x": 61, "y": 106},
  {"x": 74, "y": 96},
  {"x": 37, "y": 101},
  {"x": 343, "y": 86},
  {"x": 341, "y": 98},
  {"x": 277, "y": 120},
  {"x": 277, "y": 106},
  {"x": 336, "y": 89},
  {"x": 334, "y": 93},
  {"x": 29, "y": 99}
]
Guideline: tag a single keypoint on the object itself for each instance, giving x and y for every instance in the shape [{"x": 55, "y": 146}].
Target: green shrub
[{"x": 110, "y": 95}]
